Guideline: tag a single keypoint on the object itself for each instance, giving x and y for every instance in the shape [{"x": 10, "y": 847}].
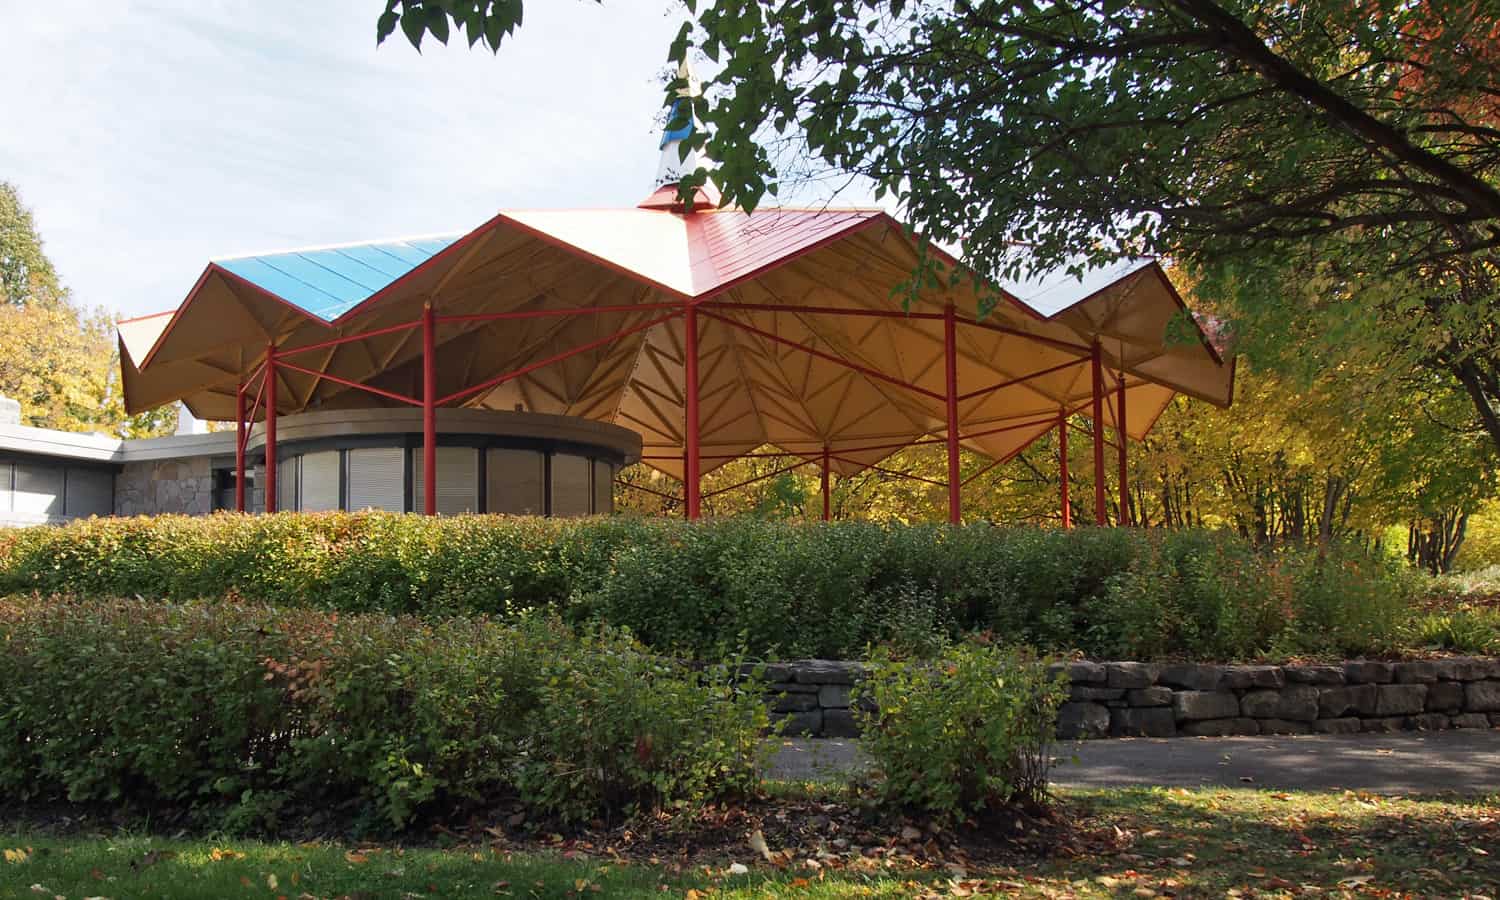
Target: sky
[{"x": 150, "y": 136}]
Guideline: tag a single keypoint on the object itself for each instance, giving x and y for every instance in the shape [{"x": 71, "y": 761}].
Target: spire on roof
[{"x": 673, "y": 165}]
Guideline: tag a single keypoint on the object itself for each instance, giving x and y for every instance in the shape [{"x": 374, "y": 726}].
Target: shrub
[
  {"x": 768, "y": 588},
  {"x": 235, "y": 711},
  {"x": 1462, "y": 630},
  {"x": 960, "y": 736}
]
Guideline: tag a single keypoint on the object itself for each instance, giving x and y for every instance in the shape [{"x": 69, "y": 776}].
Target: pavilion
[{"x": 709, "y": 333}]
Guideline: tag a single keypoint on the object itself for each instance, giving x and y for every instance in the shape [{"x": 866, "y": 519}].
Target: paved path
[{"x": 1415, "y": 762}]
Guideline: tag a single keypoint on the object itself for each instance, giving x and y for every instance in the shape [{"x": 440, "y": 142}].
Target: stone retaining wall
[{"x": 1118, "y": 699}]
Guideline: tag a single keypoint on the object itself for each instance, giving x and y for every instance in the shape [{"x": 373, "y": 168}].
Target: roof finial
[{"x": 674, "y": 166}]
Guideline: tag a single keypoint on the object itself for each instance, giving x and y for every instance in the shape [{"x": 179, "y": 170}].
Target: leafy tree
[
  {"x": 57, "y": 358},
  {"x": 1256, "y": 142},
  {"x": 26, "y": 275}
]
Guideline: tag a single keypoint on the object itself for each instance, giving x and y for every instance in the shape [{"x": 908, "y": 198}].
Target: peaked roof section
[
  {"x": 800, "y": 342},
  {"x": 327, "y": 282}
]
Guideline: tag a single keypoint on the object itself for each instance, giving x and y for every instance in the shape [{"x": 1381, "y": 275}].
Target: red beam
[
  {"x": 827, "y": 506},
  {"x": 1005, "y": 384},
  {"x": 662, "y": 494},
  {"x": 1016, "y": 332},
  {"x": 1100, "y": 518},
  {"x": 950, "y": 377},
  {"x": 1124, "y": 468},
  {"x": 692, "y": 464},
  {"x": 553, "y": 313},
  {"x": 254, "y": 408},
  {"x": 239, "y": 448},
  {"x": 429, "y": 413},
  {"x": 381, "y": 392},
  {"x": 749, "y": 481},
  {"x": 270, "y": 386},
  {"x": 863, "y": 370},
  {"x": 526, "y": 370},
  {"x": 819, "y": 310},
  {"x": 1062, "y": 470},
  {"x": 886, "y": 471},
  {"x": 350, "y": 338}
]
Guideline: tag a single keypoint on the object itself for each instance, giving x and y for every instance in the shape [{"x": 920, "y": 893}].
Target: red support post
[
  {"x": 270, "y": 386},
  {"x": 429, "y": 413},
  {"x": 691, "y": 463},
  {"x": 827, "y": 504},
  {"x": 950, "y": 372},
  {"x": 239, "y": 448},
  {"x": 1062, "y": 470},
  {"x": 1124, "y": 467},
  {"x": 1100, "y": 515}
]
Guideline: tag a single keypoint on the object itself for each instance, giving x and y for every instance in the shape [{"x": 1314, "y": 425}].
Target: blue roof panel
[{"x": 329, "y": 282}]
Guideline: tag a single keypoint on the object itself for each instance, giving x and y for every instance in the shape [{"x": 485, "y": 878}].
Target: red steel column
[
  {"x": 270, "y": 367},
  {"x": 950, "y": 367},
  {"x": 1062, "y": 469},
  {"x": 429, "y": 413},
  {"x": 1100, "y": 516},
  {"x": 1124, "y": 473},
  {"x": 239, "y": 448},
  {"x": 691, "y": 465},
  {"x": 827, "y": 508}
]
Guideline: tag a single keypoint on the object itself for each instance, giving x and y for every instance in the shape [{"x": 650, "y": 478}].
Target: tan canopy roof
[{"x": 801, "y": 343}]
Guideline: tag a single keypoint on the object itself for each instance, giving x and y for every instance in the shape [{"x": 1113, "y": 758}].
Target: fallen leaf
[
  {"x": 758, "y": 844},
  {"x": 17, "y": 855}
]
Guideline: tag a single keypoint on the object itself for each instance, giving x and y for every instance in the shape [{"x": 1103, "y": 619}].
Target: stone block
[
  {"x": 1348, "y": 725},
  {"x": 1090, "y": 692},
  {"x": 1466, "y": 668},
  {"x": 791, "y": 687},
  {"x": 1129, "y": 674},
  {"x": 1495, "y": 719},
  {"x": 1241, "y": 678},
  {"x": 1151, "y": 696},
  {"x": 1387, "y": 725},
  {"x": 834, "y": 696},
  {"x": 775, "y": 673},
  {"x": 1445, "y": 696},
  {"x": 1318, "y": 675},
  {"x": 1471, "y": 720},
  {"x": 1430, "y": 722},
  {"x": 839, "y": 723},
  {"x": 1193, "y": 706},
  {"x": 808, "y": 723},
  {"x": 1418, "y": 671},
  {"x": 827, "y": 671},
  {"x": 1221, "y": 727},
  {"x": 1082, "y": 720},
  {"x": 1297, "y": 703},
  {"x": 1284, "y": 726},
  {"x": 1078, "y": 671},
  {"x": 1191, "y": 677},
  {"x": 1156, "y": 721},
  {"x": 1335, "y": 702},
  {"x": 1400, "y": 699},
  {"x": 1482, "y": 696},
  {"x": 787, "y": 703},
  {"x": 1368, "y": 672}
]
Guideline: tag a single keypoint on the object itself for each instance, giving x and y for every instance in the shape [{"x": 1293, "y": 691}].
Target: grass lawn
[{"x": 1157, "y": 842}]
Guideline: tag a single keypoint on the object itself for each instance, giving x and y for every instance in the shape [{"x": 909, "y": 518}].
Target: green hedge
[
  {"x": 767, "y": 587},
  {"x": 965, "y": 736},
  {"x": 240, "y": 714}
]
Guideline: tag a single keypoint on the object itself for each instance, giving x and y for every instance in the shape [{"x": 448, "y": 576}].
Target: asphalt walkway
[{"x": 1466, "y": 762}]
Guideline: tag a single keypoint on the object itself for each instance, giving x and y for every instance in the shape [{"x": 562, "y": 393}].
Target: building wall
[
  {"x": 165, "y": 486},
  {"x": 39, "y": 491}
]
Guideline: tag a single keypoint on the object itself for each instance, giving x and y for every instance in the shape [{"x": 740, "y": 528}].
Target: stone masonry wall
[
  {"x": 1120, "y": 699},
  {"x": 167, "y": 486}
]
